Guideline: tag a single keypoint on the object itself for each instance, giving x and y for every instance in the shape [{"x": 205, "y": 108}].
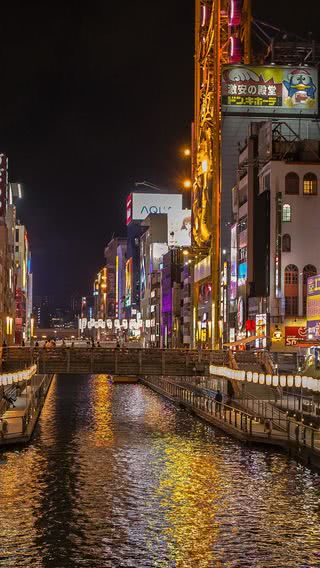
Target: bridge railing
[
  {"x": 130, "y": 361},
  {"x": 291, "y": 431}
]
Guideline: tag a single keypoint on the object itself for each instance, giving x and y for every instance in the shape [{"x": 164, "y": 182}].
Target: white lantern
[
  {"x": 290, "y": 380},
  {"x": 275, "y": 381},
  {"x": 249, "y": 377},
  {"x": 283, "y": 380},
  {"x": 268, "y": 379},
  {"x": 297, "y": 381},
  {"x": 262, "y": 379},
  {"x": 310, "y": 383},
  {"x": 242, "y": 375}
]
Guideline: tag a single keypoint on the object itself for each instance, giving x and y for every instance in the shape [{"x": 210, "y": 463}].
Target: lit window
[
  {"x": 310, "y": 184},
  {"x": 286, "y": 213}
]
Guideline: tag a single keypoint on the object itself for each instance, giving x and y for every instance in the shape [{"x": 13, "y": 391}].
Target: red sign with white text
[{"x": 294, "y": 335}]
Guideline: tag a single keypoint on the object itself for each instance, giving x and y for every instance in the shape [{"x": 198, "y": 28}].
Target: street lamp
[
  {"x": 187, "y": 183},
  {"x": 187, "y": 152}
]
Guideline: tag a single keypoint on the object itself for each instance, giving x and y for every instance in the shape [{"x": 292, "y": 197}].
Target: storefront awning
[{"x": 244, "y": 341}]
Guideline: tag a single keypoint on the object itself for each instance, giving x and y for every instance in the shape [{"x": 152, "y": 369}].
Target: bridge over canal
[{"x": 129, "y": 362}]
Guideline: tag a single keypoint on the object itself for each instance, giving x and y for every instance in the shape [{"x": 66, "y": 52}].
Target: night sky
[{"x": 91, "y": 101}]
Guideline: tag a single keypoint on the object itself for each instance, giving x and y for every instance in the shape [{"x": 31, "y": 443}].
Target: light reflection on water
[{"x": 117, "y": 476}]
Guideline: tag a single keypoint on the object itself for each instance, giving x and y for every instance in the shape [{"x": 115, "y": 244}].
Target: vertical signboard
[
  {"x": 233, "y": 267},
  {"x": 128, "y": 293},
  {"x": 313, "y": 306},
  {"x": 3, "y": 184},
  {"x": 261, "y": 330},
  {"x": 129, "y": 208}
]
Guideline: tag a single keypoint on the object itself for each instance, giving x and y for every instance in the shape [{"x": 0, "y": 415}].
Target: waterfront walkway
[
  {"x": 18, "y": 422},
  {"x": 299, "y": 439}
]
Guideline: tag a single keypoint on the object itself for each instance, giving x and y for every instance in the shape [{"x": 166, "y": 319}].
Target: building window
[
  {"x": 308, "y": 271},
  {"x": 243, "y": 254},
  {"x": 310, "y": 184},
  {"x": 266, "y": 182},
  {"x": 291, "y": 305},
  {"x": 286, "y": 213},
  {"x": 292, "y": 184},
  {"x": 242, "y": 224},
  {"x": 291, "y": 289},
  {"x": 291, "y": 274},
  {"x": 286, "y": 243}
]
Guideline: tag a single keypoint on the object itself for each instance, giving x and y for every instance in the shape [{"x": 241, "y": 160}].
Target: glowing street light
[
  {"x": 187, "y": 183},
  {"x": 186, "y": 152}
]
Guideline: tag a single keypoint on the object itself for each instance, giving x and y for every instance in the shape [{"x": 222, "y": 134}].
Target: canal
[{"x": 116, "y": 476}]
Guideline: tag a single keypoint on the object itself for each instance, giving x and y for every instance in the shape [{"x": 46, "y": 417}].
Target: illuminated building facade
[
  {"x": 171, "y": 318},
  {"x": 100, "y": 295},
  {"x": 112, "y": 267},
  {"x": 153, "y": 245},
  {"x": 8, "y": 194},
  {"x": 276, "y": 204},
  {"x": 121, "y": 260},
  {"x": 186, "y": 302},
  {"x": 23, "y": 289},
  {"x": 231, "y": 91}
]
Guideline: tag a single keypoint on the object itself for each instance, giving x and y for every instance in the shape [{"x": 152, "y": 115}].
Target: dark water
[{"x": 116, "y": 476}]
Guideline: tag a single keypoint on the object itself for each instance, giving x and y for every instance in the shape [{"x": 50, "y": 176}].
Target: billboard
[
  {"x": 313, "y": 306},
  {"x": 242, "y": 273},
  {"x": 129, "y": 280},
  {"x": 295, "y": 334},
  {"x": 233, "y": 267},
  {"x": 179, "y": 228},
  {"x": 157, "y": 250},
  {"x": 288, "y": 90},
  {"x": 140, "y": 205}
]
